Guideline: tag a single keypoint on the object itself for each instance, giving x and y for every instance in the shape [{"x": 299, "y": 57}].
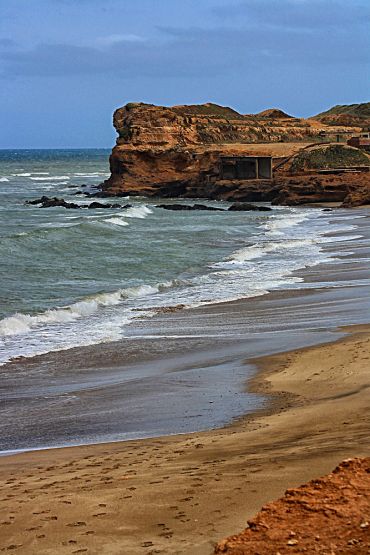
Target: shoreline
[
  {"x": 254, "y": 384},
  {"x": 183, "y": 371},
  {"x": 213, "y": 480}
]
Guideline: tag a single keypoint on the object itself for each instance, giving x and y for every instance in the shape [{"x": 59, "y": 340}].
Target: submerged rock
[
  {"x": 246, "y": 206},
  {"x": 189, "y": 207},
  {"x": 96, "y": 204},
  {"x": 47, "y": 202}
]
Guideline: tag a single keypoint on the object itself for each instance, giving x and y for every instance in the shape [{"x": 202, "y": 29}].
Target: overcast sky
[{"x": 65, "y": 65}]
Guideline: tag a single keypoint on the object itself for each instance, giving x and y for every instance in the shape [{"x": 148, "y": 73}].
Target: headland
[{"x": 209, "y": 151}]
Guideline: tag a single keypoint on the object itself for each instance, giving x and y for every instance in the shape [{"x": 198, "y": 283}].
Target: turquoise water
[{"x": 79, "y": 277}]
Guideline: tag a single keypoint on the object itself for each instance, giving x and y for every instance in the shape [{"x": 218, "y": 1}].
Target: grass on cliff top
[
  {"x": 332, "y": 157},
  {"x": 360, "y": 110},
  {"x": 208, "y": 109}
]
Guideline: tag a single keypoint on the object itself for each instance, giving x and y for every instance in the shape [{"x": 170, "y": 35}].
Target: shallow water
[
  {"x": 98, "y": 278},
  {"x": 71, "y": 278}
]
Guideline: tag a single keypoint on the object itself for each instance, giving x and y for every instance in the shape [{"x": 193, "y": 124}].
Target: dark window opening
[{"x": 248, "y": 167}]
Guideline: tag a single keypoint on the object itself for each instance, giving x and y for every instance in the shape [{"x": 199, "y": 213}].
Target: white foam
[
  {"x": 97, "y": 318},
  {"x": 116, "y": 221},
  {"x": 257, "y": 251},
  {"x": 28, "y": 174},
  {"x": 4, "y": 179},
  {"x": 277, "y": 224},
  {"x": 140, "y": 212},
  {"x": 51, "y": 178},
  {"x": 92, "y": 174},
  {"x": 21, "y": 323}
]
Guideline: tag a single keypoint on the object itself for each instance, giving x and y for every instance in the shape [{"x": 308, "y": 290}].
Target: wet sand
[{"x": 180, "y": 494}]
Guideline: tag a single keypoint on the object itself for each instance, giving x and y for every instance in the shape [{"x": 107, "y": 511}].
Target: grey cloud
[
  {"x": 193, "y": 52},
  {"x": 299, "y": 14},
  {"x": 7, "y": 43}
]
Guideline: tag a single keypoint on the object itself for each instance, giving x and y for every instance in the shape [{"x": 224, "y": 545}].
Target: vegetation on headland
[
  {"x": 359, "y": 110},
  {"x": 328, "y": 157}
]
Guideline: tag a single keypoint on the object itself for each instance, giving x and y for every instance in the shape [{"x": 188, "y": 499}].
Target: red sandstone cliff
[{"x": 175, "y": 151}]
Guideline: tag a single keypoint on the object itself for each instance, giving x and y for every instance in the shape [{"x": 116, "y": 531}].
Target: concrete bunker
[{"x": 246, "y": 167}]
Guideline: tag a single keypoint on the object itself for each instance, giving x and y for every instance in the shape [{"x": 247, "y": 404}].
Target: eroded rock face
[
  {"x": 348, "y": 189},
  {"x": 327, "y": 515},
  {"x": 175, "y": 152}
]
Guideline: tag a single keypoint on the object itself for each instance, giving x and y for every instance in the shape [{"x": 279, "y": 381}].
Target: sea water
[
  {"x": 90, "y": 290},
  {"x": 71, "y": 278}
]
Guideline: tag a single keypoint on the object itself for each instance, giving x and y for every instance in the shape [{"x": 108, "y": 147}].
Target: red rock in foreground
[{"x": 330, "y": 516}]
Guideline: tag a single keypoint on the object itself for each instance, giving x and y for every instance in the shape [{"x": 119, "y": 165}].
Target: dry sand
[{"x": 181, "y": 494}]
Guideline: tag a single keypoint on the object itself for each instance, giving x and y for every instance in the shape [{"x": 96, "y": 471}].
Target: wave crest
[{"x": 20, "y": 323}]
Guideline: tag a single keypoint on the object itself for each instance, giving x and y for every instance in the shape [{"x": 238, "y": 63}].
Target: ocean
[{"x": 78, "y": 278}]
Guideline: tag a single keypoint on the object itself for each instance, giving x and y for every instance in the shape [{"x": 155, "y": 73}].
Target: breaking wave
[
  {"x": 139, "y": 212},
  {"x": 278, "y": 224},
  {"x": 21, "y": 323},
  {"x": 116, "y": 221}
]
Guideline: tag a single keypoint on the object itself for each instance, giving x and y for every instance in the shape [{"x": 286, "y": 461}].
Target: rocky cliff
[{"x": 176, "y": 151}]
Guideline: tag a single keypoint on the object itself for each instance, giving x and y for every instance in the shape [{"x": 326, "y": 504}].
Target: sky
[{"x": 66, "y": 65}]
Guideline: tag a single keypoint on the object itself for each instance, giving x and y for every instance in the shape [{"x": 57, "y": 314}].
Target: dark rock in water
[
  {"x": 36, "y": 201},
  {"x": 327, "y": 210},
  {"x": 47, "y": 202},
  {"x": 96, "y": 204},
  {"x": 245, "y": 206},
  {"x": 174, "y": 206},
  {"x": 189, "y": 207},
  {"x": 205, "y": 207},
  {"x": 59, "y": 202}
]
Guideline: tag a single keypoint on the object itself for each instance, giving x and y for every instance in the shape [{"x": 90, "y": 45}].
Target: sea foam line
[{"x": 20, "y": 323}]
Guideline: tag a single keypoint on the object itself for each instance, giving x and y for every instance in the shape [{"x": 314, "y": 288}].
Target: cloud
[
  {"x": 299, "y": 14},
  {"x": 200, "y": 52},
  {"x": 114, "y": 39},
  {"x": 7, "y": 43}
]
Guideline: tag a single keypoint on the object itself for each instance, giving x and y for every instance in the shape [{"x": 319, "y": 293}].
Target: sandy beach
[{"x": 181, "y": 494}]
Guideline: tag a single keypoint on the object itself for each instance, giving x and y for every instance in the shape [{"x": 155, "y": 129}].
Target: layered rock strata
[{"x": 176, "y": 152}]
